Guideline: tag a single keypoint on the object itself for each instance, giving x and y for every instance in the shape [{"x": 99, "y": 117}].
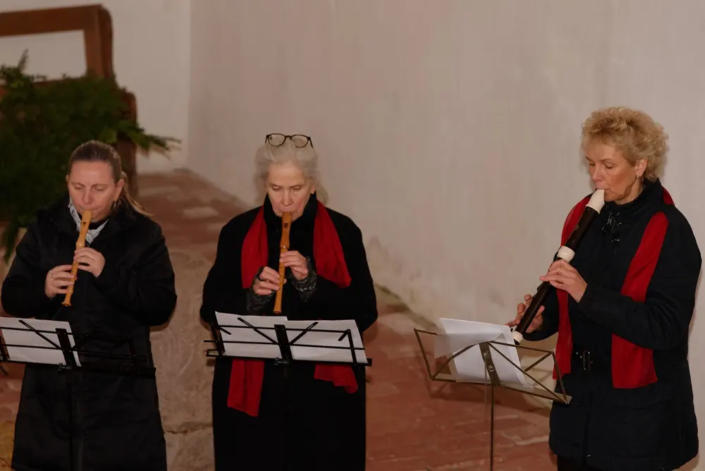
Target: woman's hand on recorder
[
  {"x": 90, "y": 260},
  {"x": 562, "y": 275},
  {"x": 266, "y": 282},
  {"x": 58, "y": 280},
  {"x": 521, "y": 309},
  {"x": 296, "y": 262}
]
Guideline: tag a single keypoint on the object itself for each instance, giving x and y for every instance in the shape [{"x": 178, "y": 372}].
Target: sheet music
[
  {"x": 256, "y": 345},
  {"x": 252, "y": 344},
  {"x": 469, "y": 365},
  {"x": 315, "y": 336},
  {"x": 29, "y": 339}
]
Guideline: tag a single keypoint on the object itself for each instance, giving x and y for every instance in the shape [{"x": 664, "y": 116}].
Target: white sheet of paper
[
  {"x": 259, "y": 346},
  {"x": 317, "y": 337},
  {"x": 31, "y": 339},
  {"x": 458, "y": 334}
]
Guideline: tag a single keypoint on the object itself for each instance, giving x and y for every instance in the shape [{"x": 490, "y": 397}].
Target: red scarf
[
  {"x": 632, "y": 366},
  {"x": 246, "y": 375}
]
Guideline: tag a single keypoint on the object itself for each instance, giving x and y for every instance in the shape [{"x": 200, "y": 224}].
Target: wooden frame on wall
[
  {"x": 96, "y": 24},
  {"x": 93, "y": 20}
]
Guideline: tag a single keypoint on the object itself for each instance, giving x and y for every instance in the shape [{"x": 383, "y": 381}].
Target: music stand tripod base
[{"x": 487, "y": 350}]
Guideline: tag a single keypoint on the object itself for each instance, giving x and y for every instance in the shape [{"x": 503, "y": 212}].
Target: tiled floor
[{"x": 414, "y": 424}]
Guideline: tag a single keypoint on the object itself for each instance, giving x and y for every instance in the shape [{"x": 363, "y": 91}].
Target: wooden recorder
[
  {"x": 80, "y": 243},
  {"x": 283, "y": 247}
]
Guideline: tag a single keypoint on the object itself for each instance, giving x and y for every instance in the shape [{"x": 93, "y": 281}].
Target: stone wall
[
  {"x": 10, "y": 385},
  {"x": 184, "y": 374}
]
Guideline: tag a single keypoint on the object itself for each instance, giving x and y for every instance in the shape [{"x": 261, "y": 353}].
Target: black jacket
[
  {"x": 223, "y": 287},
  {"x": 303, "y": 423},
  {"x": 652, "y": 427},
  {"x": 116, "y": 420}
]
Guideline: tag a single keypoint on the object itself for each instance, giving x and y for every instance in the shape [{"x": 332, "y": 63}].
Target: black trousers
[{"x": 565, "y": 464}]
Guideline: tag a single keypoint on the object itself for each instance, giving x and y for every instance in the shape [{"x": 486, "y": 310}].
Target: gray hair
[{"x": 306, "y": 158}]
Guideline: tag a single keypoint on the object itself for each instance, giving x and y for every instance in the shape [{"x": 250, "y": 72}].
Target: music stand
[
  {"x": 49, "y": 342},
  {"x": 284, "y": 341},
  {"x": 491, "y": 375}
]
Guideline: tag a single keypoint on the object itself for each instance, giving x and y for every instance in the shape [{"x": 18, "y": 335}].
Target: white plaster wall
[
  {"x": 448, "y": 130},
  {"x": 449, "y": 134}
]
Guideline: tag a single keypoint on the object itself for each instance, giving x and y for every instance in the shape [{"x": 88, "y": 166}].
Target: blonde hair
[
  {"x": 632, "y": 132},
  {"x": 306, "y": 158},
  {"x": 96, "y": 151}
]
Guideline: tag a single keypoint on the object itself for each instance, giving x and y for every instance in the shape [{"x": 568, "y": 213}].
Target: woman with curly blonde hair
[{"x": 622, "y": 310}]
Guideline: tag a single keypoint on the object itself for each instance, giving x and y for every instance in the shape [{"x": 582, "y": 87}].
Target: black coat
[
  {"x": 116, "y": 420},
  {"x": 303, "y": 423},
  {"x": 652, "y": 427}
]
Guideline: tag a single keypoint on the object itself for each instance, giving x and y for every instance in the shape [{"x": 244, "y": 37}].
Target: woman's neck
[{"x": 634, "y": 191}]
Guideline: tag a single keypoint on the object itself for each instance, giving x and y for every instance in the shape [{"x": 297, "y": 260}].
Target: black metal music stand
[
  {"x": 280, "y": 339},
  {"x": 116, "y": 363},
  {"x": 492, "y": 378}
]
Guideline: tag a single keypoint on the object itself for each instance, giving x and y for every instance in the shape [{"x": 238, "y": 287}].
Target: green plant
[{"x": 40, "y": 126}]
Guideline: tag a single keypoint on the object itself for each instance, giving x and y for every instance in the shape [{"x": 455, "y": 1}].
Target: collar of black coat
[
  {"x": 122, "y": 217},
  {"x": 650, "y": 198},
  {"x": 306, "y": 219}
]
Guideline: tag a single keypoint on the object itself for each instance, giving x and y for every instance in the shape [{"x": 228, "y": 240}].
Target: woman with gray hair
[{"x": 301, "y": 416}]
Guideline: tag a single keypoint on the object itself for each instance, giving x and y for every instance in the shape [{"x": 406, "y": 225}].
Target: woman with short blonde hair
[{"x": 622, "y": 310}]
